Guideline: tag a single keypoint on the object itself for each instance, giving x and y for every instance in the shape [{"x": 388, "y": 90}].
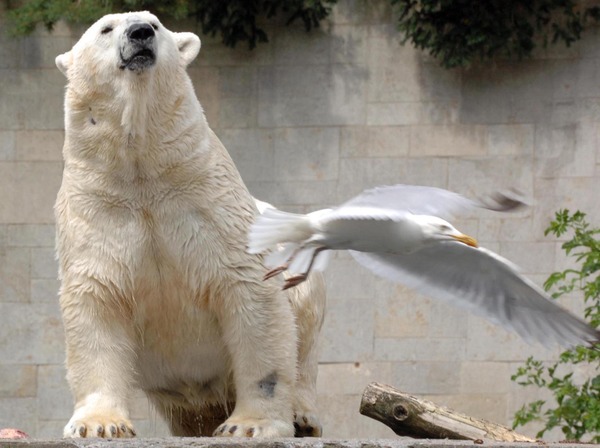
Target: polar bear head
[
  {"x": 125, "y": 68},
  {"x": 133, "y": 43}
]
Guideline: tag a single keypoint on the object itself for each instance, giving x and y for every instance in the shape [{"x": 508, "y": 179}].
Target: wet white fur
[{"x": 158, "y": 291}]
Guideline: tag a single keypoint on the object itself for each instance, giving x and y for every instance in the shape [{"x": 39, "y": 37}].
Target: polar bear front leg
[
  {"x": 260, "y": 333},
  {"x": 99, "y": 368}
]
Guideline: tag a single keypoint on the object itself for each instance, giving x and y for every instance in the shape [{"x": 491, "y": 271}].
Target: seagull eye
[{"x": 106, "y": 29}]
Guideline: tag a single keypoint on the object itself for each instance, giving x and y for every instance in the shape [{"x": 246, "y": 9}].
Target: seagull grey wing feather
[
  {"x": 486, "y": 284},
  {"x": 363, "y": 213},
  {"x": 421, "y": 200},
  {"x": 365, "y": 229}
]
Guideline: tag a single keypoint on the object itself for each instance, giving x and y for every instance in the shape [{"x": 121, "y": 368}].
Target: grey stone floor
[{"x": 177, "y": 442}]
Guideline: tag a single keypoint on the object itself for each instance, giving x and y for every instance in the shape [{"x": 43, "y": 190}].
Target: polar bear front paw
[
  {"x": 99, "y": 426},
  {"x": 307, "y": 424},
  {"x": 263, "y": 428}
]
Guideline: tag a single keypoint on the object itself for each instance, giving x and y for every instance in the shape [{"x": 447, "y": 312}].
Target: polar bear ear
[
  {"x": 189, "y": 46},
  {"x": 63, "y": 61}
]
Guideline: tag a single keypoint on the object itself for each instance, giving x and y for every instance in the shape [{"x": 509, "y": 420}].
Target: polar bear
[{"x": 157, "y": 289}]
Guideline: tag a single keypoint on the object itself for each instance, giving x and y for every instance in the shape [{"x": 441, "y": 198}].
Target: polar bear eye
[
  {"x": 106, "y": 29},
  {"x": 155, "y": 26}
]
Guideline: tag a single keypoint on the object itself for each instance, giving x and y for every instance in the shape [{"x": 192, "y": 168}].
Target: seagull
[{"x": 401, "y": 233}]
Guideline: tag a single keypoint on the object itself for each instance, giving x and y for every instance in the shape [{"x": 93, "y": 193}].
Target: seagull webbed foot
[
  {"x": 294, "y": 281},
  {"x": 275, "y": 271}
]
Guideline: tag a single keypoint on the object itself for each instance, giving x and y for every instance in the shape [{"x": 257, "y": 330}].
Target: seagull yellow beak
[{"x": 466, "y": 239}]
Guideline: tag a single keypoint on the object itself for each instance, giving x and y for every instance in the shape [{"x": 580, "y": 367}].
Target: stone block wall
[{"x": 310, "y": 120}]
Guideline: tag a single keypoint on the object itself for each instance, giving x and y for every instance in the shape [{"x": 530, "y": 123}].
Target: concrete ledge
[{"x": 209, "y": 442}]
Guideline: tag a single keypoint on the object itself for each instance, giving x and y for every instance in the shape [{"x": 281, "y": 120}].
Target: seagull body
[
  {"x": 399, "y": 233},
  {"x": 368, "y": 229}
]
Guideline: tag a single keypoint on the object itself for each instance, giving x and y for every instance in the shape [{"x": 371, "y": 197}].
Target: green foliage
[
  {"x": 460, "y": 32},
  {"x": 24, "y": 19},
  {"x": 234, "y": 20},
  {"x": 456, "y": 32},
  {"x": 576, "y": 410}
]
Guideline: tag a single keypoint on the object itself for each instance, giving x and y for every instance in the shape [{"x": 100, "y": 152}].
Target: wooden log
[{"x": 413, "y": 417}]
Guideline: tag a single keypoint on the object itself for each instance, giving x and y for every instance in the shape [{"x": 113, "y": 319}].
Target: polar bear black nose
[{"x": 140, "y": 32}]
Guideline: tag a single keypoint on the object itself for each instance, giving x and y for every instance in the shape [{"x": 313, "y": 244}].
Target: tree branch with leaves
[{"x": 576, "y": 406}]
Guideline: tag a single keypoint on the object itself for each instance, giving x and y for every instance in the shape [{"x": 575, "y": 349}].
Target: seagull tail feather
[{"x": 275, "y": 227}]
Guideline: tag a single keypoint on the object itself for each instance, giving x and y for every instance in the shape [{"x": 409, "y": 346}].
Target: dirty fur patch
[{"x": 267, "y": 385}]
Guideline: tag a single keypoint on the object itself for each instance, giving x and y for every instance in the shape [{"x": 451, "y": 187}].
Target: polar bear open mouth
[{"x": 139, "y": 60}]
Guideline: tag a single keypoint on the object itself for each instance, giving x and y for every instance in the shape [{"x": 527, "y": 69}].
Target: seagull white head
[{"x": 437, "y": 229}]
